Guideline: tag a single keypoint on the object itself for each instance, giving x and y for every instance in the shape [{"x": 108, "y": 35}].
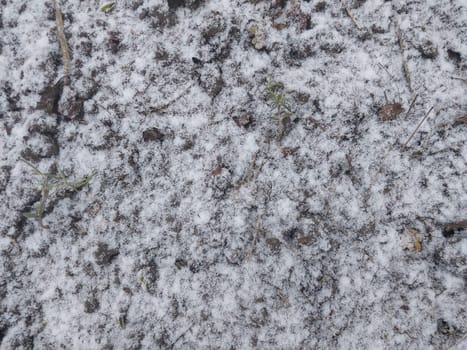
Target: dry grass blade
[
  {"x": 428, "y": 137},
  {"x": 416, "y": 129},
  {"x": 458, "y": 343},
  {"x": 352, "y": 17},
  {"x": 250, "y": 172},
  {"x": 162, "y": 107},
  {"x": 62, "y": 40},
  {"x": 258, "y": 230},
  {"x": 461, "y": 79},
  {"x": 411, "y": 106},
  {"x": 405, "y": 67}
]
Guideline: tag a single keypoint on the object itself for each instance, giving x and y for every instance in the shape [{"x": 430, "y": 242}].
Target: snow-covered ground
[{"x": 208, "y": 224}]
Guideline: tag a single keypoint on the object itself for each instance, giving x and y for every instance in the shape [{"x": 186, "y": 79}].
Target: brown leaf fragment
[
  {"x": 287, "y": 151},
  {"x": 417, "y": 245},
  {"x": 216, "y": 171},
  {"x": 462, "y": 119},
  {"x": 305, "y": 240},
  {"x": 390, "y": 111}
]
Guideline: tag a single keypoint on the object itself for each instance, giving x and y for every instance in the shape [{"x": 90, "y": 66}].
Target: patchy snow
[{"x": 208, "y": 224}]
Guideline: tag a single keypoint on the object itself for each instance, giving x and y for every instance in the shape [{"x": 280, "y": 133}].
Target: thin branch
[{"x": 416, "y": 129}]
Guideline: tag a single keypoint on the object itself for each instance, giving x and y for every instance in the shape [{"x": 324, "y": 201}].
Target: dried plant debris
[
  {"x": 460, "y": 120},
  {"x": 454, "y": 227},
  {"x": 425, "y": 117},
  {"x": 412, "y": 239},
  {"x": 390, "y": 111},
  {"x": 52, "y": 185},
  {"x": 287, "y": 151},
  {"x": 279, "y": 25},
  {"x": 352, "y": 17},
  {"x": 257, "y": 36},
  {"x": 63, "y": 41},
  {"x": 405, "y": 67},
  {"x": 306, "y": 240},
  {"x": 411, "y": 106}
]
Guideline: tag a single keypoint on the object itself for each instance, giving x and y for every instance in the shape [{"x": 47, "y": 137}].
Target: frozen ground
[{"x": 208, "y": 224}]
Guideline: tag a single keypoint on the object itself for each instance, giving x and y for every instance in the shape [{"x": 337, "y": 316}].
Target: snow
[{"x": 277, "y": 251}]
